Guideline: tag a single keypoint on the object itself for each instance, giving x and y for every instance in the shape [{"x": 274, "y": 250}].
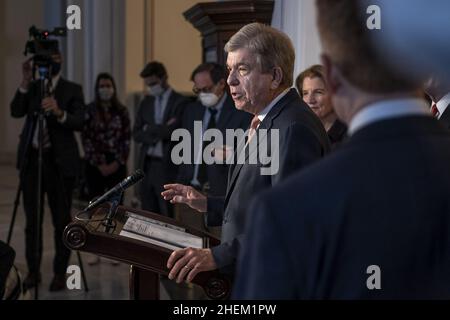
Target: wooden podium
[{"x": 144, "y": 240}]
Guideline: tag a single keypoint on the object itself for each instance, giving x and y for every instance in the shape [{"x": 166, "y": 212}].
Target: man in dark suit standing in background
[
  {"x": 64, "y": 109},
  {"x": 215, "y": 109},
  {"x": 371, "y": 220},
  {"x": 159, "y": 113},
  {"x": 260, "y": 63},
  {"x": 439, "y": 93}
]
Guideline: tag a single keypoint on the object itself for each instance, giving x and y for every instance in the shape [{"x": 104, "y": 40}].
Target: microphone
[{"x": 120, "y": 187}]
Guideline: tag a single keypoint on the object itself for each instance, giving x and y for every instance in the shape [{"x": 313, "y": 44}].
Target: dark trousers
[
  {"x": 98, "y": 184},
  {"x": 152, "y": 186},
  {"x": 59, "y": 195}
]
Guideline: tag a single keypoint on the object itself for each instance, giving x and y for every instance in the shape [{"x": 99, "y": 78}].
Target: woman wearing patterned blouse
[
  {"x": 106, "y": 138},
  {"x": 106, "y": 141}
]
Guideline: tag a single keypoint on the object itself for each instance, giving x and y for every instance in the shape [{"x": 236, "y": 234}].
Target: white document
[{"x": 159, "y": 233}]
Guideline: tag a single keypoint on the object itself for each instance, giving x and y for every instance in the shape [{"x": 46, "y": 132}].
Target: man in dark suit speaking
[
  {"x": 371, "y": 221},
  {"x": 64, "y": 109},
  {"x": 260, "y": 63}
]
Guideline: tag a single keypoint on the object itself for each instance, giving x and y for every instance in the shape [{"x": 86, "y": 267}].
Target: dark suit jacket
[
  {"x": 302, "y": 140},
  {"x": 381, "y": 199},
  {"x": 65, "y": 149},
  {"x": 230, "y": 118},
  {"x": 337, "y": 134},
  {"x": 445, "y": 118},
  {"x": 162, "y": 132}
]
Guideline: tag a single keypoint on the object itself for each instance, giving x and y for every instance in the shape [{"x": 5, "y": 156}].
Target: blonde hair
[{"x": 272, "y": 48}]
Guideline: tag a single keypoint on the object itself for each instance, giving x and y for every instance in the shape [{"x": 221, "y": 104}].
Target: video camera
[{"x": 41, "y": 47}]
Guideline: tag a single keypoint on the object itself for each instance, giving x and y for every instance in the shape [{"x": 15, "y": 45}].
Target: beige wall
[
  {"x": 174, "y": 41},
  {"x": 16, "y": 16},
  {"x": 157, "y": 30},
  {"x": 134, "y": 44}
]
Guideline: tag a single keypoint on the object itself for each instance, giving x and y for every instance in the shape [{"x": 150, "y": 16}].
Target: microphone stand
[{"x": 115, "y": 201}]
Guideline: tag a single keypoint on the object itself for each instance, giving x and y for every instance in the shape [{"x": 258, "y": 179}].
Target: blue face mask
[
  {"x": 56, "y": 68},
  {"x": 105, "y": 94},
  {"x": 155, "y": 90}
]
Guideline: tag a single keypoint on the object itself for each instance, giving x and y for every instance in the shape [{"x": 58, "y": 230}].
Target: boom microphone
[{"x": 120, "y": 187}]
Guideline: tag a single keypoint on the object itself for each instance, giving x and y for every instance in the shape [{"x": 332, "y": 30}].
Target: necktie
[
  {"x": 202, "y": 172},
  {"x": 156, "y": 150},
  {"x": 158, "y": 110},
  {"x": 253, "y": 126},
  {"x": 212, "y": 119},
  {"x": 434, "y": 110},
  {"x": 49, "y": 92}
]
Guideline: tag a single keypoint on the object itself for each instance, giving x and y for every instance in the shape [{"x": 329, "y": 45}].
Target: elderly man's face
[{"x": 251, "y": 89}]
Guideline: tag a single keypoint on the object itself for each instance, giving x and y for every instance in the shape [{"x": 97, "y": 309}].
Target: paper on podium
[{"x": 159, "y": 233}]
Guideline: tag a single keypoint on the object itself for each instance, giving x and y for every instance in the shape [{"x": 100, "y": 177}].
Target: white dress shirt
[
  {"x": 442, "y": 104},
  {"x": 160, "y": 105},
  {"x": 387, "y": 109}
]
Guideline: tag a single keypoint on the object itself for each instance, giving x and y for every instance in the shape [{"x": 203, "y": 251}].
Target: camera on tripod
[{"x": 42, "y": 47}]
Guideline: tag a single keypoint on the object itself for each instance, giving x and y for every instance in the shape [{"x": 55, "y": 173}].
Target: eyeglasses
[{"x": 204, "y": 90}]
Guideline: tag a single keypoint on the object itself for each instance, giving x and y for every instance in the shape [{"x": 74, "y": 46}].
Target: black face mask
[{"x": 56, "y": 68}]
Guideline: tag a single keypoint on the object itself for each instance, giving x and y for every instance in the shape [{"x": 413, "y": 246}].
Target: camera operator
[{"x": 63, "y": 105}]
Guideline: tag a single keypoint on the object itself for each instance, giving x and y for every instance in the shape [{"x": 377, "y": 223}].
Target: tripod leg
[
  {"x": 83, "y": 275},
  {"x": 30, "y": 123},
  {"x": 13, "y": 219}
]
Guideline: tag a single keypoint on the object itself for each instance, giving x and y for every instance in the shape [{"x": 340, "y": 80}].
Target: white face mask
[
  {"x": 105, "y": 94},
  {"x": 208, "y": 99},
  {"x": 155, "y": 90}
]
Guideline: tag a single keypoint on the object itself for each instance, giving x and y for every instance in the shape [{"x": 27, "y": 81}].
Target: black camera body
[{"x": 41, "y": 47}]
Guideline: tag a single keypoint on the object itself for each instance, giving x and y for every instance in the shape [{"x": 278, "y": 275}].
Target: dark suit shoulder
[
  {"x": 445, "y": 118},
  {"x": 364, "y": 203},
  {"x": 146, "y": 102},
  {"x": 293, "y": 110},
  {"x": 179, "y": 98},
  {"x": 91, "y": 108},
  {"x": 69, "y": 84},
  {"x": 377, "y": 154},
  {"x": 296, "y": 114},
  {"x": 337, "y": 132},
  {"x": 63, "y": 84},
  {"x": 147, "y": 99},
  {"x": 194, "y": 109}
]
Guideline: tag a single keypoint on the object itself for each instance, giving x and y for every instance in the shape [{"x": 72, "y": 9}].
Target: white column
[
  {"x": 297, "y": 18},
  {"x": 98, "y": 46}
]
